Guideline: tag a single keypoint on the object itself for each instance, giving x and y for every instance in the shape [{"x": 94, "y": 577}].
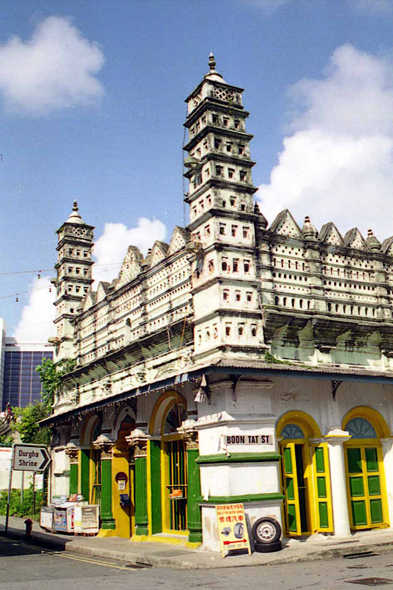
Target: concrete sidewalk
[{"x": 179, "y": 557}]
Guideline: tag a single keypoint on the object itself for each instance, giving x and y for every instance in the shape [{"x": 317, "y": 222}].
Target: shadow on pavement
[{"x": 13, "y": 543}]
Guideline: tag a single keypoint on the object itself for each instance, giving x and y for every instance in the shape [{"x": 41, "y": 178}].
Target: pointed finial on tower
[
  {"x": 75, "y": 215},
  {"x": 212, "y": 73},
  {"x": 309, "y": 231},
  {"x": 212, "y": 62},
  {"x": 373, "y": 242}
]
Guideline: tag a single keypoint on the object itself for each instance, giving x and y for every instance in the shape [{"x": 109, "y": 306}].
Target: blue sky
[{"x": 92, "y": 108}]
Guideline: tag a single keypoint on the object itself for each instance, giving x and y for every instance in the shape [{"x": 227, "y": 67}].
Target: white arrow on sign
[{"x": 30, "y": 458}]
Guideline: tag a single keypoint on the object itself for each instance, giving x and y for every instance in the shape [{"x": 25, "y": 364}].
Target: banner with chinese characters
[{"x": 232, "y": 528}]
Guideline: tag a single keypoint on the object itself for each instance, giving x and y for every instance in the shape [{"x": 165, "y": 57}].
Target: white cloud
[
  {"x": 111, "y": 247},
  {"x": 337, "y": 160},
  {"x": 36, "y": 323},
  {"x": 54, "y": 69}
]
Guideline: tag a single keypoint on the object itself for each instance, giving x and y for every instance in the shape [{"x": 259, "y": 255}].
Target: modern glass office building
[{"x": 21, "y": 382}]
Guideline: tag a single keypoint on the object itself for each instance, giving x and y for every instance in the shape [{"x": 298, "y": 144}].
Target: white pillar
[
  {"x": 336, "y": 440},
  {"x": 387, "y": 453}
]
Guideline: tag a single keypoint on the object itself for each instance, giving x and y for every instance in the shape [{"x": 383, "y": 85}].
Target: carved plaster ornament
[
  {"x": 138, "y": 441},
  {"x": 185, "y": 359},
  {"x": 105, "y": 385},
  {"x": 72, "y": 450},
  {"x": 189, "y": 434},
  {"x": 104, "y": 444}
]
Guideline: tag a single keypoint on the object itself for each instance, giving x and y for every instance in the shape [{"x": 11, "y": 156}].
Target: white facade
[{"x": 241, "y": 362}]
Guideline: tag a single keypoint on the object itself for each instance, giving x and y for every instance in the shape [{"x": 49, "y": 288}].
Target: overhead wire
[{"x": 114, "y": 264}]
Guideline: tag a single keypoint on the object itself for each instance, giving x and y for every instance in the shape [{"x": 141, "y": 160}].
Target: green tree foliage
[
  {"x": 19, "y": 508},
  {"x": 27, "y": 424},
  {"x": 51, "y": 375},
  {"x": 6, "y": 440}
]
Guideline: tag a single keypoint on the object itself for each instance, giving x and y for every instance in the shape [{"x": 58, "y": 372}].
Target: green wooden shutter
[
  {"x": 290, "y": 485},
  {"x": 322, "y": 488}
]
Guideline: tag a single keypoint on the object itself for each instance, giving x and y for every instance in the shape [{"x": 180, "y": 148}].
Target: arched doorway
[
  {"x": 366, "y": 487},
  {"x": 90, "y": 484},
  {"x": 305, "y": 476},
  {"x": 169, "y": 413}
]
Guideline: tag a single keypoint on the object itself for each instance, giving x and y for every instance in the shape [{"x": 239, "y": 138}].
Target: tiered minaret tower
[
  {"x": 222, "y": 217},
  {"x": 74, "y": 277}
]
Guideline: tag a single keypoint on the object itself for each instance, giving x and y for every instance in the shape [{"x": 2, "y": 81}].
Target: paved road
[{"x": 24, "y": 567}]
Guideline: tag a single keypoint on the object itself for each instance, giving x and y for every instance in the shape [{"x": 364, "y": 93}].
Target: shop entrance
[
  {"x": 175, "y": 470},
  {"x": 177, "y": 485},
  {"x": 167, "y": 459},
  {"x": 365, "y": 476},
  {"x": 305, "y": 477}
]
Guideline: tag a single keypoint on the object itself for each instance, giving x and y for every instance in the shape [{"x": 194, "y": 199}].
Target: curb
[{"x": 280, "y": 558}]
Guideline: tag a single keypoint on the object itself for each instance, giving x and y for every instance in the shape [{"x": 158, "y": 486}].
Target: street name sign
[{"x": 30, "y": 457}]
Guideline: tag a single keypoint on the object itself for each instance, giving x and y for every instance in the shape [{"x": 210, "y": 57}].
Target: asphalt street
[{"x": 23, "y": 566}]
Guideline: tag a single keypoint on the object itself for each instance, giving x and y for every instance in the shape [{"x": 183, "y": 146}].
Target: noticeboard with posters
[
  {"x": 87, "y": 518},
  {"x": 63, "y": 519},
  {"x": 232, "y": 528}
]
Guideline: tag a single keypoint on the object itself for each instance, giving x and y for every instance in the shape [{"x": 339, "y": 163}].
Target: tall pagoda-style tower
[
  {"x": 74, "y": 277},
  {"x": 220, "y": 197}
]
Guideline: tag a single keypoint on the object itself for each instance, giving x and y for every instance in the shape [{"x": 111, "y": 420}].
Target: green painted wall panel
[
  {"x": 290, "y": 490},
  {"x": 155, "y": 470},
  {"x": 292, "y": 518},
  {"x": 288, "y": 460},
  {"x": 108, "y": 522},
  {"x": 372, "y": 459},
  {"x": 319, "y": 460},
  {"x": 323, "y": 515},
  {"x": 354, "y": 461},
  {"x": 356, "y": 486},
  {"x": 376, "y": 511},
  {"x": 141, "y": 516},
  {"x": 194, "y": 515},
  {"x": 359, "y": 513},
  {"x": 321, "y": 487},
  {"x": 74, "y": 478},
  {"x": 374, "y": 486},
  {"x": 85, "y": 474}
]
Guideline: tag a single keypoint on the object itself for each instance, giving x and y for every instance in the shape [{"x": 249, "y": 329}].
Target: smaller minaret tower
[{"x": 74, "y": 277}]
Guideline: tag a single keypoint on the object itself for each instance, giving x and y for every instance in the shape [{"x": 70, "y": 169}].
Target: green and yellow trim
[{"x": 238, "y": 458}]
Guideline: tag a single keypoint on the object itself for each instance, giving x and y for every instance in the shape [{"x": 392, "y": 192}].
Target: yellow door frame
[
  {"x": 382, "y": 430},
  {"x": 165, "y": 500},
  {"x": 308, "y": 477},
  {"x": 309, "y": 444},
  {"x": 157, "y": 427},
  {"x": 362, "y": 444}
]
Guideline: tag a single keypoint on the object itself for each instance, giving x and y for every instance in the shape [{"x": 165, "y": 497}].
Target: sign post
[
  {"x": 7, "y": 514},
  {"x": 26, "y": 457}
]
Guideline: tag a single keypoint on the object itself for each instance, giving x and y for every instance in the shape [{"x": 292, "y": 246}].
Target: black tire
[
  {"x": 238, "y": 530},
  {"x": 268, "y": 547},
  {"x": 266, "y": 531}
]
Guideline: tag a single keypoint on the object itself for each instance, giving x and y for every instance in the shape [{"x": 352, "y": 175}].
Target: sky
[{"x": 92, "y": 108}]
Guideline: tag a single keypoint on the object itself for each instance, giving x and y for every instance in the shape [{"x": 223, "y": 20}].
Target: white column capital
[{"x": 336, "y": 436}]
